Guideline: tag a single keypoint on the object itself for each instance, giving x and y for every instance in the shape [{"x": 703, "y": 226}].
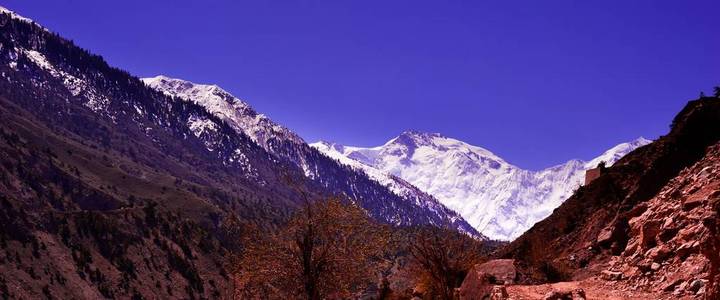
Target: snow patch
[
  {"x": 14, "y": 15},
  {"x": 200, "y": 126},
  {"x": 76, "y": 86},
  {"x": 233, "y": 111}
]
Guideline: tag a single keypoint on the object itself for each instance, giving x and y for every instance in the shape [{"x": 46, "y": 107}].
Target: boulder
[
  {"x": 649, "y": 231},
  {"x": 611, "y": 275},
  {"x": 670, "y": 286},
  {"x": 680, "y": 289},
  {"x": 688, "y": 248},
  {"x": 689, "y": 204},
  {"x": 690, "y": 233},
  {"x": 645, "y": 265},
  {"x": 659, "y": 253},
  {"x": 502, "y": 270},
  {"x": 696, "y": 285},
  {"x": 637, "y": 210},
  {"x": 553, "y": 295},
  {"x": 477, "y": 285},
  {"x": 605, "y": 237},
  {"x": 576, "y": 294},
  {"x": 655, "y": 266}
]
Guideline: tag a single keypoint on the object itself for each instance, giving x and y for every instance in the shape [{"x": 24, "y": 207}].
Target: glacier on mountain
[
  {"x": 497, "y": 198},
  {"x": 431, "y": 171}
]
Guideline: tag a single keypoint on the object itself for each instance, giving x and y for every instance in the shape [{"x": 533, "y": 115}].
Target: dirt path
[{"x": 594, "y": 289}]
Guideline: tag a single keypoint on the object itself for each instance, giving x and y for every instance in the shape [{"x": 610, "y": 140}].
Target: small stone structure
[{"x": 593, "y": 174}]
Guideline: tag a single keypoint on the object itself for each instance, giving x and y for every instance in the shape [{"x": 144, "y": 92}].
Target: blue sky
[{"x": 536, "y": 82}]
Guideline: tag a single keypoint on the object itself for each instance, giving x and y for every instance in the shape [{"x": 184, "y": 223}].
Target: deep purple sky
[{"x": 536, "y": 82}]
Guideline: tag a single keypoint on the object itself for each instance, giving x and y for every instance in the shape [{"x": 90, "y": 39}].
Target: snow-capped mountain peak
[
  {"x": 411, "y": 137},
  {"x": 494, "y": 196},
  {"x": 285, "y": 144}
]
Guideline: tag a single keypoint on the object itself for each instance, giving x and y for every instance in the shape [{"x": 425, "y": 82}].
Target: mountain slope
[
  {"x": 227, "y": 141},
  {"x": 106, "y": 192},
  {"x": 286, "y": 145},
  {"x": 112, "y": 189},
  {"x": 667, "y": 248},
  {"x": 641, "y": 210},
  {"x": 497, "y": 198},
  {"x": 228, "y": 108}
]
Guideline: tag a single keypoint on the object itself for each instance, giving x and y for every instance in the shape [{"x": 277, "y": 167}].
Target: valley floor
[{"x": 594, "y": 288}]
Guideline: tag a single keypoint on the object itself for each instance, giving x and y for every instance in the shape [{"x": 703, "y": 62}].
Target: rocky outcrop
[
  {"x": 672, "y": 245},
  {"x": 711, "y": 249},
  {"x": 477, "y": 285},
  {"x": 503, "y": 271},
  {"x": 644, "y": 216}
]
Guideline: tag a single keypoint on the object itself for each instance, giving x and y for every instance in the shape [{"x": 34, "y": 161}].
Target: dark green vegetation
[{"x": 70, "y": 221}]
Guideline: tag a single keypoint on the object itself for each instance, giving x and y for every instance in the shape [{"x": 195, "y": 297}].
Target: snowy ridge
[
  {"x": 384, "y": 178},
  {"x": 615, "y": 153},
  {"x": 236, "y": 113},
  {"x": 230, "y": 109},
  {"x": 284, "y": 143},
  {"x": 15, "y": 15},
  {"x": 76, "y": 86},
  {"x": 397, "y": 185},
  {"x": 497, "y": 198}
]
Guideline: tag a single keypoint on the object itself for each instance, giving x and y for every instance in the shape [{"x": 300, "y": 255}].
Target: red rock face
[
  {"x": 650, "y": 217},
  {"x": 711, "y": 249},
  {"x": 673, "y": 244},
  {"x": 477, "y": 285}
]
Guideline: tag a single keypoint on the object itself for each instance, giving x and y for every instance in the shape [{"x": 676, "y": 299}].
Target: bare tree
[
  {"x": 327, "y": 250},
  {"x": 441, "y": 258}
]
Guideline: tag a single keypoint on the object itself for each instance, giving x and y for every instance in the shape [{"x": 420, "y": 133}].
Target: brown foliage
[
  {"x": 441, "y": 258},
  {"x": 327, "y": 250}
]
